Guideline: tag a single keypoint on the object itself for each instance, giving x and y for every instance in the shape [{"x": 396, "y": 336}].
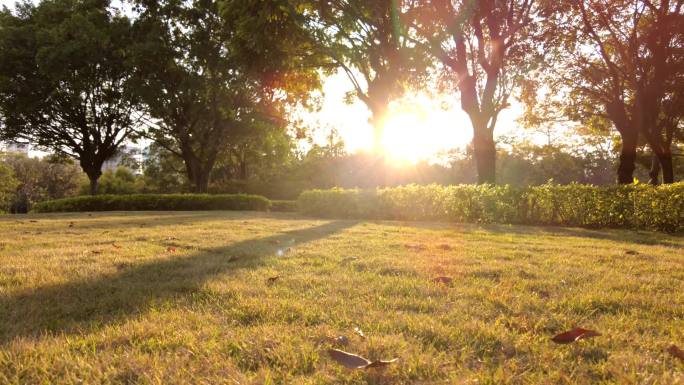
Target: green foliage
[
  {"x": 8, "y": 183},
  {"x": 631, "y": 206},
  {"x": 65, "y": 79},
  {"x": 119, "y": 181},
  {"x": 155, "y": 202},
  {"x": 42, "y": 179}
]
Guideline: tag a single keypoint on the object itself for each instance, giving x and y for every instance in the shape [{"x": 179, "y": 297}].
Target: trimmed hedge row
[
  {"x": 625, "y": 206},
  {"x": 155, "y": 202}
]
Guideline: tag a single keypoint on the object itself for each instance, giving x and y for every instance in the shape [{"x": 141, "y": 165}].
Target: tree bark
[
  {"x": 654, "y": 173},
  {"x": 627, "y": 157},
  {"x": 485, "y": 155}
]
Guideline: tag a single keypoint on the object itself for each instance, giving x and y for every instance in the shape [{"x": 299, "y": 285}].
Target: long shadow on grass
[{"x": 83, "y": 305}]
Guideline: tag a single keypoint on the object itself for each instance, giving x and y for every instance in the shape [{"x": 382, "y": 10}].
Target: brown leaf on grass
[
  {"x": 114, "y": 245},
  {"x": 96, "y": 252},
  {"x": 573, "y": 335},
  {"x": 444, "y": 280},
  {"x": 358, "y": 331},
  {"x": 415, "y": 246},
  {"x": 71, "y": 224},
  {"x": 444, "y": 246},
  {"x": 353, "y": 361},
  {"x": 33, "y": 221},
  {"x": 676, "y": 352},
  {"x": 171, "y": 249},
  {"x": 631, "y": 252},
  {"x": 271, "y": 280}
]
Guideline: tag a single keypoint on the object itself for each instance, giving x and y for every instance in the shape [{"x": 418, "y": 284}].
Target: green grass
[{"x": 170, "y": 298}]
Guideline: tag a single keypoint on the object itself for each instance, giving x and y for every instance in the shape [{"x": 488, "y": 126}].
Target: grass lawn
[{"x": 170, "y": 298}]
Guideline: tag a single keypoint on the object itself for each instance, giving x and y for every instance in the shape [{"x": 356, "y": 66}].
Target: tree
[
  {"x": 65, "y": 80},
  {"x": 626, "y": 68},
  {"x": 486, "y": 48},
  {"x": 201, "y": 84},
  {"x": 40, "y": 179},
  {"x": 367, "y": 41},
  {"x": 8, "y": 183}
]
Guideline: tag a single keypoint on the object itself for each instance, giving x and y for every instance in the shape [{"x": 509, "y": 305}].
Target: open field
[{"x": 169, "y": 298}]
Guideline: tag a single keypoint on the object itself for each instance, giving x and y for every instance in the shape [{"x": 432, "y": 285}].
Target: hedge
[
  {"x": 284, "y": 206},
  {"x": 155, "y": 202},
  {"x": 625, "y": 206}
]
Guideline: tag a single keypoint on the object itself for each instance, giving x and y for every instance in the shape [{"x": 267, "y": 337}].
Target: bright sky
[{"x": 417, "y": 128}]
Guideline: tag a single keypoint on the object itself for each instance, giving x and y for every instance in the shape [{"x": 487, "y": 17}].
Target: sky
[{"x": 417, "y": 128}]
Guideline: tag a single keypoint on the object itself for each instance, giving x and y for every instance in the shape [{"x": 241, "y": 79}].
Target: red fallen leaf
[
  {"x": 171, "y": 249},
  {"x": 353, "y": 361},
  {"x": 676, "y": 352},
  {"x": 444, "y": 246},
  {"x": 415, "y": 246},
  {"x": 444, "y": 280},
  {"x": 358, "y": 331},
  {"x": 573, "y": 335}
]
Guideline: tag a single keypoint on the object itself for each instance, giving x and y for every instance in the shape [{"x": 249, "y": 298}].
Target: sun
[{"x": 419, "y": 130}]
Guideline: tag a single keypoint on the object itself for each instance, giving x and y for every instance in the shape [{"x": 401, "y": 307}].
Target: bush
[
  {"x": 284, "y": 206},
  {"x": 155, "y": 202},
  {"x": 629, "y": 206}
]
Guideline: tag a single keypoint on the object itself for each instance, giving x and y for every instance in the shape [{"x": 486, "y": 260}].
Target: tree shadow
[{"x": 75, "y": 306}]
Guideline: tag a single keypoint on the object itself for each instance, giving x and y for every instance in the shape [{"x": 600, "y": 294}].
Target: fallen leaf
[
  {"x": 96, "y": 252},
  {"x": 171, "y": 238},
  {"x": 33, "y": 221},
  {"x": 171, "y": 249},
  {"x": 444, "y": 246},
  {"x": 573, "y": 335},
  {"x": 415, "y": 246},
  {"x": 353, "y": 361},
  {"x": 676, "y": 352},
  {"x": 631, "y": 252},
  {"x": 444, "y": 280},
  {"x": 272, "y": 280},
  {"x": 71, "y": 224},
  {"x": 116, "y": 246},
  {"x": 358, "y": 331},
  {"x": 348, "y": 259}
]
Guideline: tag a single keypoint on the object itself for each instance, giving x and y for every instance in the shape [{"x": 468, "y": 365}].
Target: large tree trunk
[
  {"x": 198, "y": 175},
  {"x": 485, "y": 156},
  {"x": 654, "y": 173},
  {"x": 93, "y": 170},
  {"x": 625, "y": 172}
]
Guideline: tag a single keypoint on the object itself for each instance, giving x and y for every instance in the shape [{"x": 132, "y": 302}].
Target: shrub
[
  {"x": 284, "y": 206},
  {"x": 625, "y": 206},
  {"x": 155, "y": 202}
]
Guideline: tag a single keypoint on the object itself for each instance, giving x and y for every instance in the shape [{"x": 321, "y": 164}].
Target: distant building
[
  {"x": 128, "y": 156},
  {"x": 15, "y": 147}
]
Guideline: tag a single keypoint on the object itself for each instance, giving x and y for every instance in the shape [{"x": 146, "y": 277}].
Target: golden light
[{"x": 418, "y": 129}]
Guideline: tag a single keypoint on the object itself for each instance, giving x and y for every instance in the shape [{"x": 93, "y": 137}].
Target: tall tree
[
  {"x": 626, "y": 68},
  {"x": 203, "y": 81},
  {"x": 486, "y": 48},
  {"x": 367, "y": 41},
  {"x": 65, "y": 80}
]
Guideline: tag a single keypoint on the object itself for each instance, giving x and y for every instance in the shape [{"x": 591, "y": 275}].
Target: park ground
[{"x": 255, "y": 298}]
